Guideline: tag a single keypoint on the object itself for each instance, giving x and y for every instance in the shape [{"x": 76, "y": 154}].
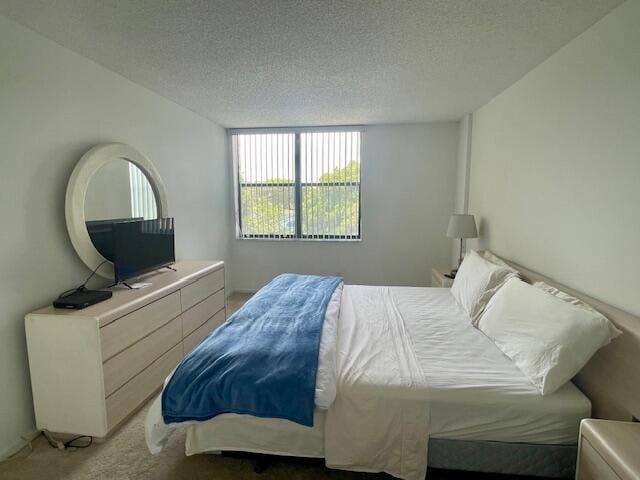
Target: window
[{"x": 297, "y": 184}]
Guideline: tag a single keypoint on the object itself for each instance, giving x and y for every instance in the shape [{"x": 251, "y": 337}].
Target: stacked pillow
[
  {"x": 569, "y": 299},
  {"x": 549, "y": 334},
  {"x": 490, "y": 257},
  {"x": 477, "y": 281},
  {"x": 547, "y": 337}
]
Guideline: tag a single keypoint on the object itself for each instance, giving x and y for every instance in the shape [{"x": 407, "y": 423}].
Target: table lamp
[{"x": 461, "y": 226}]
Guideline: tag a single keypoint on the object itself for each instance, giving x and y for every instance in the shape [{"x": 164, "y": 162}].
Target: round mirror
[
  {"x": 118, "y": 192},
  {"x": 112, "y": 183}
]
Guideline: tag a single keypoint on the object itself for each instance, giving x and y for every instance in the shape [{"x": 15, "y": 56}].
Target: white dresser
[{"x": 92, "y": 368}]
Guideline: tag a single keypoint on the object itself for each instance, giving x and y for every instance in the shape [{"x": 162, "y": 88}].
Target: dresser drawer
[
  {"x": 127, "y": 330},
  {"x": 201, "y": 289},
  {"x": 591, "y": 465},
  {"x": 125, "y": 400},
  {"x": 193, "y": 340},
  {"x": 201, "y": 312},
  {"x": 127, "y": 364}
]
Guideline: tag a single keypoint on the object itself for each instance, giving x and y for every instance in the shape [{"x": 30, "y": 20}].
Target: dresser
[
  {"x": 92, "y": 368},
  {"x": 608, "y": 450}
]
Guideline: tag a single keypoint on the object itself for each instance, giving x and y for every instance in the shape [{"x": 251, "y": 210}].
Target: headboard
[{"x": 611, "y": 379}]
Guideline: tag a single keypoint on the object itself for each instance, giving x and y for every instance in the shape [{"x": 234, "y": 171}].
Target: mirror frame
[{"x": 77, "y": 187}]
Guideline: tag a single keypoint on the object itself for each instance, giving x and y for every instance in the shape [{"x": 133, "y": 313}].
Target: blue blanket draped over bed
[{"x": 262, "y": 361}]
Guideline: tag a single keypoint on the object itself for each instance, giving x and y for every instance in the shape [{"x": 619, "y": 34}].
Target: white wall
[
  {"x": 55, "y": 105},
  {"x": 461, "y": 203},
  {"x": 555, "y": 164},
  {"x": 408, "y": 189}
]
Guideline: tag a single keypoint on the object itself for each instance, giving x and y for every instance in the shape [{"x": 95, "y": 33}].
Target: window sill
[{"x": 303, "y": 240}]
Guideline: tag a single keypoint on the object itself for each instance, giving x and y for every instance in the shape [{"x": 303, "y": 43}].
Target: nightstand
[
  {"x": 439, "y": 280},
  {"x": 608, "y": 450}
]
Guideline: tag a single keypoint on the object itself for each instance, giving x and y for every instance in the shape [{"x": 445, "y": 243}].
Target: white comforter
[{"x": 379, "y": 420}]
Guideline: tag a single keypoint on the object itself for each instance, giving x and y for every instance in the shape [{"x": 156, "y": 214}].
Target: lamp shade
[{"x": 462, "y": 226}]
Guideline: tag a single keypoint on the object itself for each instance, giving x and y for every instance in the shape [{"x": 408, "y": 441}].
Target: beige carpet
[{"x": 125, "y": 456}]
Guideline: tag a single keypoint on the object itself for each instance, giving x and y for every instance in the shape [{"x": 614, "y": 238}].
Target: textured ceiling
[{"x": 249, "y": 63}]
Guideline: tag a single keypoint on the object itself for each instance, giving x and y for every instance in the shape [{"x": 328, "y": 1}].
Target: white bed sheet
[
  {"x": 379, "y": 421},
  {"x": 327, "y": 372},
  {"x": 477, "y": 393}
]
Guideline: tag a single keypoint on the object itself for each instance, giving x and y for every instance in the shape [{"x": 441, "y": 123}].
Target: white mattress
[{"x": 476, "y": 392}]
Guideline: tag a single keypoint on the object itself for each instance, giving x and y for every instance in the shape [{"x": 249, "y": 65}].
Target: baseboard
[
  {"x": 13, "y": 449},
  {"x": 243, "y": 290}
]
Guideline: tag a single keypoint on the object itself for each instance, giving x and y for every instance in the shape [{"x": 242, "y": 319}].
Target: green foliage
[
  {"x": 326, "y": 209},
  {"x": 350, "y": 173},
  {"x": 268, "y": 210}
]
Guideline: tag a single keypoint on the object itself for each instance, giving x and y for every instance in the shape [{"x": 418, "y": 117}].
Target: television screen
[
  {"x": 101, "y": 234},
  {"x": 140, "y": 247}
]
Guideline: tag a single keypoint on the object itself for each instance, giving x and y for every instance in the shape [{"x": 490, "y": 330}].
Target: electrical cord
[
  {"x": 82, "y": 287},
  {"x": 69, "y": 443}
]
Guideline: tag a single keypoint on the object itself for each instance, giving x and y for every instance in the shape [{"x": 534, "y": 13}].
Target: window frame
[{"x": 298, "y": 236}]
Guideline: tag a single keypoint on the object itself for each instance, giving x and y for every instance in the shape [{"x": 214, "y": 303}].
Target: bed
[{"x": 483, "y": 414}]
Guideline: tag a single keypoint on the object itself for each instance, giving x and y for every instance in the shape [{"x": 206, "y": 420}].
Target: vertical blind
[
  {"x": 298, "y": 184},
  {"x": 143, "y": 200}
]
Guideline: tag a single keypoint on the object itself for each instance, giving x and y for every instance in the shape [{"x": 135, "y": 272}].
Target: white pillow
[
  {"x": 576, "y": 302},
  {"x": 476, "y": 282},
  {"x": 547, "y": 338},
  {"x": 491, "y": 257}
]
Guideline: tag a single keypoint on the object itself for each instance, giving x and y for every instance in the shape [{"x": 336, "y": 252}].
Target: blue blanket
[{"x": 262, "y": 361}]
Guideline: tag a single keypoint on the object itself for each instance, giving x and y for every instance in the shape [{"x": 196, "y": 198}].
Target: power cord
[
  {"x": 60, "y": 445},
  {"x": 82, "y": 287}
]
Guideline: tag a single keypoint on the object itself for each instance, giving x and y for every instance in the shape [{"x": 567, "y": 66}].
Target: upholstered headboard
[{"x": 611, "y": 379}]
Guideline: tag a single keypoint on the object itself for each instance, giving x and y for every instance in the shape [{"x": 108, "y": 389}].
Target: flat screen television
[
  {"x": 143, "y": 246},
  {"x": 101, "y": 234}
]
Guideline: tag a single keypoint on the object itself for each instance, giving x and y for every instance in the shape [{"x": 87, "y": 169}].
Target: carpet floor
[{"x": 125, "y": 456}]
